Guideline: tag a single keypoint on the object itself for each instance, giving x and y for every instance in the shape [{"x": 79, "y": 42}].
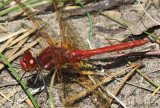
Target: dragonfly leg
[
  {"x": 22, "y": 76},
  {"x": 45, "y": 87},
  {"x": 36, "y": 79}
]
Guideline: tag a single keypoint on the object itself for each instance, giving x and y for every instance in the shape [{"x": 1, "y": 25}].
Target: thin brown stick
[
  {"x": 124, "y": 80},
  {"x": 153, "y": 94},
  {"x": 5, "y": 97}
]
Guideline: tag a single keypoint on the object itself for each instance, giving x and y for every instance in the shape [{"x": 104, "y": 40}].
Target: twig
[
  {"x": 154, "y": 92},
  {"x": 124, "y": 106},
  {"x": 124, "y": 80}
]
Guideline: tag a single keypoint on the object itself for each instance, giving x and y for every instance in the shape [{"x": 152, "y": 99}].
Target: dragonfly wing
[{"x": 72, "y": 37}]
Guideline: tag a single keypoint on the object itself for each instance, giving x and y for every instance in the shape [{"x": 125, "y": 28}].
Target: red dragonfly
[{"x": 54, "y": 56}]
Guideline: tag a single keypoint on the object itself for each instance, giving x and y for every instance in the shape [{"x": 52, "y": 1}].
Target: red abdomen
[{"x": 80, "y": 54}]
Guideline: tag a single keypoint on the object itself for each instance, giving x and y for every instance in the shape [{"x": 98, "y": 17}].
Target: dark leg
[
  {"x": 36, "y": 79},
  {"x": 23, "y": 75},
  {"x": 45, "y": 87}
]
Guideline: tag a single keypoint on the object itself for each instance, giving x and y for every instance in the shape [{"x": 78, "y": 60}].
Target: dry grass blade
[
  {"x": 4, "y": 29},
  {"x": 50, "y": 89},
  {"x": 8, "y": 41},
  {"x": 15, "y": 16},
  {"x": 153, "y": 94},
  {"x": 79, "y": 95},
  {"x": 17, "y": 47},
  {"x": 124, "y": 80},
  {"x": 91, "y": 73},
  {"x": 5, "y": 97},
  {"x": 11, "y": 35},
  {"x": 23, "y": 36}
]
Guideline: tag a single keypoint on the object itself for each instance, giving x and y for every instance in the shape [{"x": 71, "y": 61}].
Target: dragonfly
[{"x": 57, "y": 55}]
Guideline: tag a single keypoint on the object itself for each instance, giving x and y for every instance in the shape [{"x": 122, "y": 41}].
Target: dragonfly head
[{"x": 28, "y": 62}]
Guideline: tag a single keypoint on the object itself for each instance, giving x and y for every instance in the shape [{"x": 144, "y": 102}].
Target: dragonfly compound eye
[
  {"x": 23, "y": 64},
  {"x": 28, "y": 62},
  {"x": 31, "y": 63}
]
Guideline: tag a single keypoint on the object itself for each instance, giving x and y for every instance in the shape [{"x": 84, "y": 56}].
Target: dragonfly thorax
[{"x": 52, "y": 57}]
